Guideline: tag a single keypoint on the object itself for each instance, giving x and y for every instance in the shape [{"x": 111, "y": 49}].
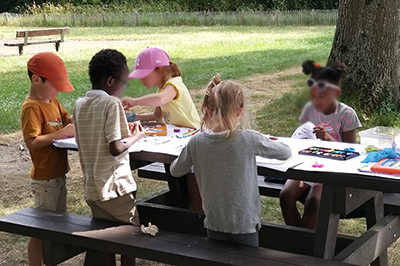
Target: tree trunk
[{"x": 367, "y": 40}]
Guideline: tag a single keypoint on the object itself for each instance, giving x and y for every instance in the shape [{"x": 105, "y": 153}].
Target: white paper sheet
[
  {"x": 69, "y": 143},
  {"x": 305, "y": 131},
  {"x": 173, "y": 146}
]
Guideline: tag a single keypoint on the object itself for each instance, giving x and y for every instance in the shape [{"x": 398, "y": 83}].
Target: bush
[{"x": 83, "y": 6}]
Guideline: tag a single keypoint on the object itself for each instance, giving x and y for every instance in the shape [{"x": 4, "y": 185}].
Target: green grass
[
  {"x": 269, "y": 120},
  {"x": 234, "y": 52}
]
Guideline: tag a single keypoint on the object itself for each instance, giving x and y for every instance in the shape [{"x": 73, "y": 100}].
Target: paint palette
[
  {"x": 155, "y": 129},
  {"x": 328, "y": 153}
]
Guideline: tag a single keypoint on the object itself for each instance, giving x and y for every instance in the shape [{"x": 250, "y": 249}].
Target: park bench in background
[
  {"x": 40, "y": 32},
  {"x": 66, "y": 235}
]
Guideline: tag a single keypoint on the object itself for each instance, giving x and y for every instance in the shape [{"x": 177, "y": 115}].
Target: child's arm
[
  {"x": 183, "y": 163},
  {"x": 272, "y": 149},
  {"x": 156, "y": 116},
  {"x": 117, "y": 147},
  {"x": 350, "y": 136},
  {"x": 42, "y": 141},
  {"x": 66, "y": 119},
  {"x": 152, "y": 100}
]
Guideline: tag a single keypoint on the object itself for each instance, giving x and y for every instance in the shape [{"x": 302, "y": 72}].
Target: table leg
[
  {"x": 177, "y": 188},
  {"x": 374, "y": 212},
  {"x": 327, "y": 226},
  {"x": 93, "y": 258}
]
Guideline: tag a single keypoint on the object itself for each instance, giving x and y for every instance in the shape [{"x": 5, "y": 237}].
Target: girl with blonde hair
[{"x": 224, "y": 160}]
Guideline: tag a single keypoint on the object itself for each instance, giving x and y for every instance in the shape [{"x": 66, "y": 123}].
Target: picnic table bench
[
  {"x": 66, "y": 235},
  {"x": 345, "y": 190},
  {"x": 39, "y": 32},
  {"x": 343, "y": 193},
  {"x": 391, "y": 201}
]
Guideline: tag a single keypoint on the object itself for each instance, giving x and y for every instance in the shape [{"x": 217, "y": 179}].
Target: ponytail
[
  {"x": 174, "y": 70},
  {"x": 222, "y": 98}
]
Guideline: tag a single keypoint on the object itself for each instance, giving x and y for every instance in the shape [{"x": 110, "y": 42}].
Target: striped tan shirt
[{"x": 99, "y": 120}]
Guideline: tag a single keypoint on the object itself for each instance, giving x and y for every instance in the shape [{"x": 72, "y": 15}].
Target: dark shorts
[{"x": 244, "y": 239}]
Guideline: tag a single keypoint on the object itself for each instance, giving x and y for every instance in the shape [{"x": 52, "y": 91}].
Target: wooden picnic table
[{"x": 342, "y": 194}]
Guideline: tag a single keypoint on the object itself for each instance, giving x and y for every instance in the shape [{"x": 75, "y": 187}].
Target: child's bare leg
[
  {"x": 127, "y": 261},
  {"x": 35, "y": 251},
  {"x": 194, "y": 193},
  {"x": 291, "y": 192},
  {"x": 311, "y": 208},
  {"x": 109, "y": 259}
]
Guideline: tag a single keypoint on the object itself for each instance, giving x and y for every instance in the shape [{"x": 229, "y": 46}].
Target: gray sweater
[{"x": 226, "y": 173}]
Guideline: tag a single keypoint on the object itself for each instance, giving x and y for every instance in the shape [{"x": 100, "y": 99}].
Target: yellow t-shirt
[
  {"x": 38, "y": 118},
  {"x": 181, "y": 109}
]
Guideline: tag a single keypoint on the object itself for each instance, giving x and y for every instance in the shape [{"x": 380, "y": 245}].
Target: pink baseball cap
[{"x": 148, "y": 60}]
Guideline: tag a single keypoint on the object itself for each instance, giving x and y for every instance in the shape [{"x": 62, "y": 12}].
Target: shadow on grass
[{"x": 196, "y": 72}]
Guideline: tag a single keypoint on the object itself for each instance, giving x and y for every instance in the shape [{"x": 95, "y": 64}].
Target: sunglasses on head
[{"x": 320, "y": 84}]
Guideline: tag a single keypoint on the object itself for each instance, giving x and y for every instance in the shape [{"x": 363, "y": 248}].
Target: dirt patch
[
  {"x": 259, "y": 89},
  {"x": 14, "y": 156}
]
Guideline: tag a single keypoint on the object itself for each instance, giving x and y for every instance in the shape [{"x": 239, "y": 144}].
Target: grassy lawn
[{"x": 235, "y": 52}]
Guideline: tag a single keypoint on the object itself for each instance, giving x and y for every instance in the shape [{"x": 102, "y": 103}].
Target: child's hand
[
  {"x": 128, "y": 103},
  {"x": 69, "y": 130},
  {"x": 69, "y": 120},
  {"x": 138, "y": 131},
  {"x": 321, "y": 133}
]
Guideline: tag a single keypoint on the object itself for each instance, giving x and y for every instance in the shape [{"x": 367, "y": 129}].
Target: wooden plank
[
  {"x": 155, "y": 209},
  {"x": 350, "y": 199},
  {"x": 391, "y": 202},
  {"x": 157, "y": 171},
  {"x": 334, "y": 179},
  {"x": 42, "y": 32},
  {"x": 152, "y": 157},
  {"x": 54, "y": 253},
  {"x": 32, "y": 42},
  {"x": 327, "y": 226},
  {"x": 374, "y": 212},
  {"x": 359, "y": 181},
  {"x": 154, "y": 171},
  {"x": 368, "y": 247},
  {"x": 269, "y": 189},
  {"x": 168, "y": 247}
]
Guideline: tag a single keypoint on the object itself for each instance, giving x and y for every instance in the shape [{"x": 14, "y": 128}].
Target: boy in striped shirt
[{"x": 103, "y": 138}]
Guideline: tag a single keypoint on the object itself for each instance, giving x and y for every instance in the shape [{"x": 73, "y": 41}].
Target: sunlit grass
[{"x": 200, "y": 52}]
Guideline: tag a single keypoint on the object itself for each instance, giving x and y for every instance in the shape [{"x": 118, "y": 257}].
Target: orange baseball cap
[{"x": 50, "y": 66}]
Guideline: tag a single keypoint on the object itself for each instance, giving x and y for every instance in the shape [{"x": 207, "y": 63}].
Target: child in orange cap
[{"x": 43, "y": 119}]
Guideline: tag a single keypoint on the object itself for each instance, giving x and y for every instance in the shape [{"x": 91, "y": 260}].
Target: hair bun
[
  {"x": 216, "y": 80},
  {"x": 338, "y": 69},
  {"x": 309, "y": 66}
]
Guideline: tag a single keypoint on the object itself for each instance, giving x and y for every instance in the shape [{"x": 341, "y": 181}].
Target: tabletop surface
[{"x": 333, "y": 172}]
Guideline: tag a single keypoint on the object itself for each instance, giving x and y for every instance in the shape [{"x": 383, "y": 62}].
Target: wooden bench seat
[
  {"x": 270, "y": 189},
  {"x": 76, "y": 232},
  {"x": 40, "y": 32}
]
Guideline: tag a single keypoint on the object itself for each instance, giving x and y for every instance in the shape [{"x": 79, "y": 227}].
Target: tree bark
[{"x": 367, "y": 40}]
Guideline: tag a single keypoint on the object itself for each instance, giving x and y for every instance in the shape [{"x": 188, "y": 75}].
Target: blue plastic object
[
  {"x": 131, "y": 117},
  {"x": 380, "y": 155}
]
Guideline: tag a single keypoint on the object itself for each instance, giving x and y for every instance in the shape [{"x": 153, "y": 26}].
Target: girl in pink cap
[{"x": 153, "y": 69}]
